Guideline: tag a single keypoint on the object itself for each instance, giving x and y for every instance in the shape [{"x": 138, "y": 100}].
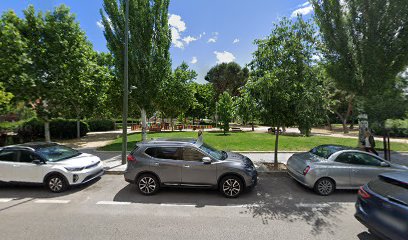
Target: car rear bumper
[
  {"x": 373, "y": 225},
  {"x": 300, "y": 178}
]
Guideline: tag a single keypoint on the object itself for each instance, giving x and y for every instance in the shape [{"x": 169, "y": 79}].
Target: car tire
[
  {"x": 148, "y": 184},
  {"x": 231, "y": 186},
  {"x": 56, "y": 183},
  {"x": 324, "y": 186}
]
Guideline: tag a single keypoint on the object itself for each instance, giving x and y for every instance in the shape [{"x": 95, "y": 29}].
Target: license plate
[{"x": 391, "y": 221}]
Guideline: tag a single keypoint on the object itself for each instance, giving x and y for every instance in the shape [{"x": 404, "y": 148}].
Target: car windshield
[
  {"x": 326, "y": 151},
  {"x": 220, "y": 155},
  {"x": 57, "y": 153}
]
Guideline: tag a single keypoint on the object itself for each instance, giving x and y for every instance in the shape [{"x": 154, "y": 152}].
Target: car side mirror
[
  {"x": 384, "y": 164},
  {"x": 37, "y": 162},
  {"x": 206, "y": 160}
]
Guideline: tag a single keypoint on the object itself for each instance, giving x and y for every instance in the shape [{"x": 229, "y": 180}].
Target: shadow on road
[
  {"x": 275, "y": 198},
  {"x": 21, "y": 191}
]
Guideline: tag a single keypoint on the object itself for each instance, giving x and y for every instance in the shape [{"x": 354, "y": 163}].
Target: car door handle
[
  {"x": 16, "y": 165},
  {"x": 157, "y": 164},
  {"x": 354, "y": 170},
  {"x": 186, "y": 166}
]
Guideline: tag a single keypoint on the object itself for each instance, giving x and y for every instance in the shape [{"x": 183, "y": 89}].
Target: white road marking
[
  {"x": 4, "y": 200},
  {"x": 52, "y": 201},
  {"x": 112, "y": 203},
  {"x": 322, "y": 205}
]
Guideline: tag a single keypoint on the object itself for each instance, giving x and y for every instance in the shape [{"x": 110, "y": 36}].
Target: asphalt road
[{"x": 110, "y": 208}]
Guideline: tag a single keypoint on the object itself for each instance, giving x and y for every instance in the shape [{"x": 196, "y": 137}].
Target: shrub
[
  {"x": 100, "y": 125},
  {"x": 395, "y": 127},
  {"x": 60, "y": 128}
]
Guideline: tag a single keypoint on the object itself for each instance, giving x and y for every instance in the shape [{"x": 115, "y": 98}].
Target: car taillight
[
  {"x": 130, "y": 158},
  {"x": 363, "y": 193},
  {"x": 306, "y": 170}
]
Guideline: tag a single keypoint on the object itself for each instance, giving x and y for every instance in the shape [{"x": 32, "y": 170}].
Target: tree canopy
[{"x": 227, "y": 77}]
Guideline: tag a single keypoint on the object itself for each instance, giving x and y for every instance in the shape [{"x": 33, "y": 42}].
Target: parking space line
[
  {"x": 5, "y": 200},
  {"x": 112, "y": 203},
  {"x": 52, "y": 201}
]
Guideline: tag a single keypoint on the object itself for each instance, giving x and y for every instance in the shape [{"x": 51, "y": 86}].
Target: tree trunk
[
  {"x": 171, "y": 124},
  {"x": 144, "y": 125},
  {"x": 283, "y": 129},
  {"x": 78, "y": 128},
  {"x": 47, "y": 130},
  {"x": 329, "y": 123},
  {"x": 275, "y": 164}
]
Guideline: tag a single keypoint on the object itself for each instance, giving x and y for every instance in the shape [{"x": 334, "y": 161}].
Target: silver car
[
  {"x": 329, "y": 167},
  {"x": 188, "y": 163}
]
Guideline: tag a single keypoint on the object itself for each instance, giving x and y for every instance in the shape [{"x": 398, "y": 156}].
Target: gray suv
[{"x": 188, "y": 163}]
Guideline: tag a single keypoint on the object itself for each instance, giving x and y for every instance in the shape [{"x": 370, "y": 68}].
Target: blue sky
[{"x": 205, "y": 32}]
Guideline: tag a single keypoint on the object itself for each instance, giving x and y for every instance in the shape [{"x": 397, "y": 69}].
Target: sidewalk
[{"x": 113, "y": 165}]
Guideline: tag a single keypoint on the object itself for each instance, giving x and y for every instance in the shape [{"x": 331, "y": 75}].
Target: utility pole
[{"x": 125, "y": 86}]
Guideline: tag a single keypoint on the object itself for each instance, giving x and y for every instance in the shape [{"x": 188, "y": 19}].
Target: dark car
[
  {"x": 382, "y": 206},
  {"x": 188, "y": 163}
]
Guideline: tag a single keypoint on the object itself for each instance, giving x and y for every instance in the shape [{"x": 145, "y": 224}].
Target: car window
[
  {"x": 7, "y": 156},
  {"x": 191, "y": 154},
  {"x": 326, "y": 151},
  {"x": 345, "y": 158},
  {"x": 365, "y": 159},
  {"x": 27, "y": 157},
  {"x": 57, "y": 153},
  {"x": 164, "y": 152}
]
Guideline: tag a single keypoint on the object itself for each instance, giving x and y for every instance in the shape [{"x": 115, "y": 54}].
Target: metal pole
[{"x": 125, "y": 86}]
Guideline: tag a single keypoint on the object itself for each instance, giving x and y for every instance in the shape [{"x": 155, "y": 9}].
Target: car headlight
[{"x": 74, "y": 169}]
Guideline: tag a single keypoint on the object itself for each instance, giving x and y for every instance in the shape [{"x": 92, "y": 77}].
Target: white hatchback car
[{"x": 53, "y": 165}]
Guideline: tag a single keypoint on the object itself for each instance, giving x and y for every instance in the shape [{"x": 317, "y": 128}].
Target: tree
[
  {"x": 366, "y": 44},
  {"x": 176, "y": 93},
  {"x": 53, "y": 52},
  {"x": 225, "y": 110},
  {"x": 204, "y": 101},
  {"x": 246, "y": 107},
  {"x": 283, "y": 80},
  {"x": 149, "y": 43},
  {"x": 5, "y": 98},
  {"x": 227, "y": 77}
]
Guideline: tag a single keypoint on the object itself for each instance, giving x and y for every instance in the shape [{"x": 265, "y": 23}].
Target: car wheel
[
  {"x": 148, "y": 184},
  {"x": 231, "y": 186},
  {"x": 324, "y": 186},
  {"x": 56, "y": 183}
]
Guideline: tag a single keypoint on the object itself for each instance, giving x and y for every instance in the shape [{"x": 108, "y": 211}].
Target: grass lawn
[{"x": 249, "y": 141}]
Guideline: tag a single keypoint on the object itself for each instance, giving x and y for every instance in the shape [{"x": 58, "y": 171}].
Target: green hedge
[
  {"x": 10, "y": 126},
  {"x": 101, "y": 125},
  {"x": 395, "y": 127},
  {"x": 60, "y": 128}
]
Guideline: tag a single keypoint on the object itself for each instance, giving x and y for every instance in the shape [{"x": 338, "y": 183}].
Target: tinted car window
[
  {"x": 191, "y": 154},
  {"x": 365, "y": 159},
  {"x": 27, "y": 157},
  {"x": 7, "y": 156},
  {"x": 57, "y": 153},
  {"x": 345, "y": 158},
  {"x": 164, "y": 152}
]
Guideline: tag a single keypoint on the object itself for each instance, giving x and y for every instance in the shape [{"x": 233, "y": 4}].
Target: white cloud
[
  {"x": 214, "y": 38},
  {"x": 189, "y": 39},
  {"x": 177, "y": 26},
  {"x": 100, "y": 24},
  {"x": 304, "y": 9},
  {"x": 224, "y": 57},
  {"x": 176, "y": 22},
  {"x": 236, "y": 40},
  {"x": 194, "y": 60}
]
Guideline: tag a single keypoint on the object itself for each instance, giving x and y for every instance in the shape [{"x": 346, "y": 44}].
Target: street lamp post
[{"x": 125, "y": 86}]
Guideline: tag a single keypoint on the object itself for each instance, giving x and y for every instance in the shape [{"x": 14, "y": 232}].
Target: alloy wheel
[
  {"x": 325, "y": 187},
  {"x": 55, "y": 184},
  {"x": 147, "y": 185},
  {"x": 231, "y": 187}
]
